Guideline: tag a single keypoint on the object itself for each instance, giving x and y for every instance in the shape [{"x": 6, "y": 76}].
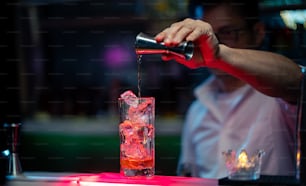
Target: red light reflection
[{"x": 116, "y": 179}]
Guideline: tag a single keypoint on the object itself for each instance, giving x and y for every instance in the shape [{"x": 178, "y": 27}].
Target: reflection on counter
[{"x": 104, "y": 179}]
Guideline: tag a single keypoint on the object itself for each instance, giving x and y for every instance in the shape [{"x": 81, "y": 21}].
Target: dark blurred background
[{"x": 65, "y": 63}]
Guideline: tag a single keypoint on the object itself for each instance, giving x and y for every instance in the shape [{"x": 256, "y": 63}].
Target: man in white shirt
[
  {"x": 242, "y": 119},
  {"x": 250, "y": 100}
]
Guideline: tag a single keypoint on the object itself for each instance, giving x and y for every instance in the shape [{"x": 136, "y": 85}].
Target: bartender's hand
[{"x": 200, "y": 33}]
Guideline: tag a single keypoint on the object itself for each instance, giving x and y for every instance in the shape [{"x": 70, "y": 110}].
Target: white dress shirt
[{"x": 242, "y": 119}]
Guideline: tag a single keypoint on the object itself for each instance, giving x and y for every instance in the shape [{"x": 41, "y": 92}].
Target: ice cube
[
  {"x": 130, "y": 98},
  {"x": 133, "y": 138},
  {"x": 141, "y": 113}
]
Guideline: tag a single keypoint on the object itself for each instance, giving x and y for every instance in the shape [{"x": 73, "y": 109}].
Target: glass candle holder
[{"x": 241, "y": 166}]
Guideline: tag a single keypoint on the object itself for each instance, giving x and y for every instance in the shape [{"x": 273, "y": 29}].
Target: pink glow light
[
  {"x": 116, "y": 56},
  {"x": 116, "y": 179}
]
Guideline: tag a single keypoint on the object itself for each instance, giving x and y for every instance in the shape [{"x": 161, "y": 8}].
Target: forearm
[{"x": 269, "y": 73}]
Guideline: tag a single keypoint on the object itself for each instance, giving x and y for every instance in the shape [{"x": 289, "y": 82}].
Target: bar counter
[{"x": 103, "y": 179}]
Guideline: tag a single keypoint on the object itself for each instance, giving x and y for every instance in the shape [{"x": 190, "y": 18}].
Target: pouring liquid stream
[{"x": 139, "y": 74}]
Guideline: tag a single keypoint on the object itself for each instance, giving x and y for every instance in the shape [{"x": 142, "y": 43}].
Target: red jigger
[{"x": 13, "y": 129}]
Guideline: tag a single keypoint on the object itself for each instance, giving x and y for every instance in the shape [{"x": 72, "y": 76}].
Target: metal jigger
[
  {"x": 146, "y": 44},
  {"x": 13, "y": 129}
]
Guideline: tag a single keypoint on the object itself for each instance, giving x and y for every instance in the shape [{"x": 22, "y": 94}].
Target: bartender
[{"x": 250, "y": 100}]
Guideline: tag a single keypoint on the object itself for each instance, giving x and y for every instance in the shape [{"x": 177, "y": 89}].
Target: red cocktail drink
[{"x": 136, "y": 129}]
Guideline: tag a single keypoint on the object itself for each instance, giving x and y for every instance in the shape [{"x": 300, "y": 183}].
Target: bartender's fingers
[
  {"x": 200, "y": 28},
  {"x": 173, "y": 34},
  {"x": 194, "y": 35},
  {"x": 181, "y": 35},
  {"x": 187, "y": 29},
  {"x": 167, "y": 35},
  {"x": 179, "y": 31},
  {"x": 161, "y": 36}
]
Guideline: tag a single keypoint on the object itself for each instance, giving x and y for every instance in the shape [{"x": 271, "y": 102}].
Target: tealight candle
[{"x": 242, "y": 167}]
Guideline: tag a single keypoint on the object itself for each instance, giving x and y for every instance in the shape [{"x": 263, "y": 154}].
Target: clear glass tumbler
[{"x": 137, "y": 137}]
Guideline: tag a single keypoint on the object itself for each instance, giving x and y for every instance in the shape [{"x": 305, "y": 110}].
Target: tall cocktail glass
[{"x": 137, "y": 136}]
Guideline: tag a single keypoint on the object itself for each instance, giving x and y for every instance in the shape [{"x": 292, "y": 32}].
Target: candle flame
[{"x": 243, "y": 160}]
